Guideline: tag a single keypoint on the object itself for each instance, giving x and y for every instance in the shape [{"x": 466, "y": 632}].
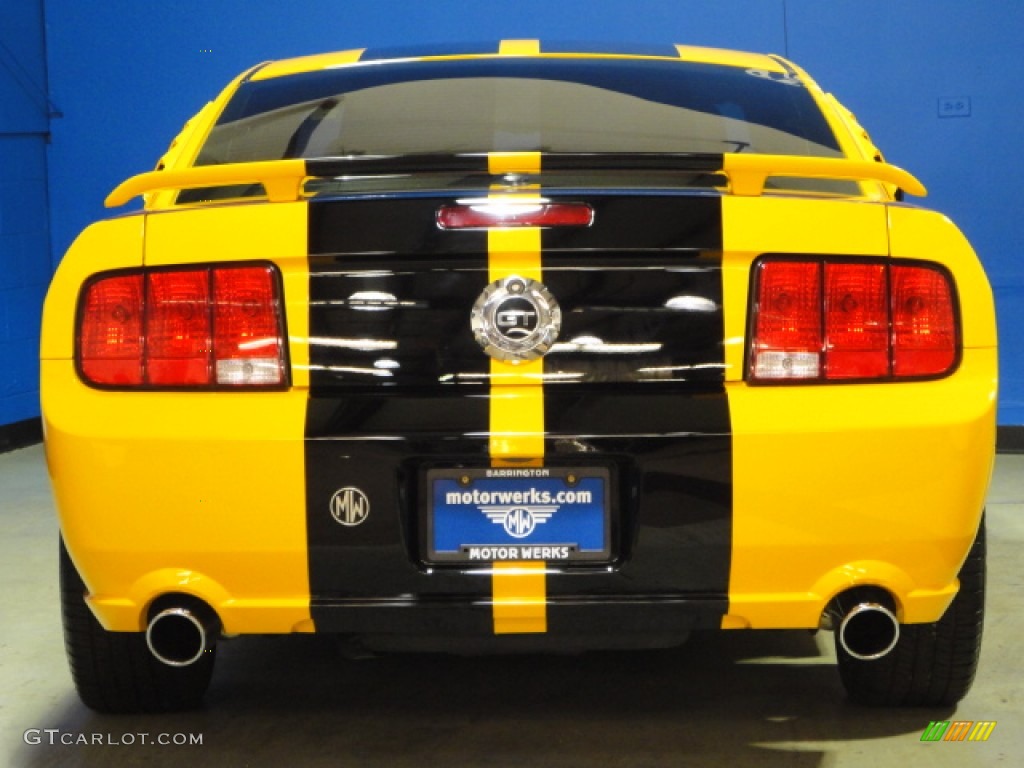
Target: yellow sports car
[{"x": 520, "y": 348}]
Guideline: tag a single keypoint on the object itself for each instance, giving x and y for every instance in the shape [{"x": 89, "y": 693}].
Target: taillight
[
  {"x": 219, "y": 326},
  {"x": 824, "y": 320}
]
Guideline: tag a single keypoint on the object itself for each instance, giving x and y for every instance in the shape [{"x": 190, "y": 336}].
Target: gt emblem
[
  {"x": 516, "y": 319},
  {"x": 349, "y": 506}
]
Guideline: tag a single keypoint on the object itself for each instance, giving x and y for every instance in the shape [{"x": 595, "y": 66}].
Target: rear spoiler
[{"x": 283, "y": 179}]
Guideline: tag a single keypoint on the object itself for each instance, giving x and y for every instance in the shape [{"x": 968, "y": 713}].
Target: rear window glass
[{"x": 519, "y": 104}]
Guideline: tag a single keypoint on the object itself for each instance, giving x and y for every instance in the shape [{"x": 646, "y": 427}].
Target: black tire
[
  {"x": 114, "y": 672},
  {"x": 932, "y": 664}
]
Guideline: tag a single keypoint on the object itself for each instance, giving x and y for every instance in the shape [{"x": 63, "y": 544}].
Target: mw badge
[
  {"x": 350, "y": 507},
  {"x": 516, "y": 319}
]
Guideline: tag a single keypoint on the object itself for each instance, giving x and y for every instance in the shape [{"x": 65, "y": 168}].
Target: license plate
[{"x": 499, "y": 514}]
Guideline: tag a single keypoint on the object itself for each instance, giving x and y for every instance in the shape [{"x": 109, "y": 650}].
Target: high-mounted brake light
[
  {"x": 220, "y": 326},
  {"x": 831, "y": 320},
  {"x": 485, "y": 213}
]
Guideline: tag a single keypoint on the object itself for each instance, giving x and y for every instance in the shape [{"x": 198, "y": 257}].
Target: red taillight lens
[
  {"x": 247, "y": 341},
  {"x": 856, "y": 321},
  {"x": 110, "y": 332},
  {"x": 178, "y": 328},
  {"x": 924, "y": 327},
  {"x": 514, "y": 213},
  {"x": 821, "y": 320},
  {"x": 787, "y": 322},
  {"x": 196, "y": 327}
]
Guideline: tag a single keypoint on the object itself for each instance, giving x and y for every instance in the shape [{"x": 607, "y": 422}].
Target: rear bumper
[
  {"x": 837, "y": 487},
  {"x": 813, "y": 490},
  {"x": 463, "y": 623}
]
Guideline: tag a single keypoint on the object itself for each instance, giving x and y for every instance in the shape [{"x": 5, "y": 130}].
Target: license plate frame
[{"x": 550, "y": 514}]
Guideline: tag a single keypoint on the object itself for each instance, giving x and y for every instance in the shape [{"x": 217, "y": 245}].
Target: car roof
[{"x": 530, "y": 48}]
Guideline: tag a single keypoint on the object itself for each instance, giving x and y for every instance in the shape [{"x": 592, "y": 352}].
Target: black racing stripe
[
  {"x": 374, "y": 164},
  {"x": 642, "y": 287},
  {"x": 647, "y": 620},
  {"x": 391, "y": 294},
  {"x": 648, "y": 271},
  {"x": 477, "y": 163},
  {"x": 428, "y": 50},
  {"x": 785, "y": 65},
  {"x": 390, "y": 297},
  {"x": 643, "y": 317},
  {"x": 421, "y": 423},
  {"x": 629, "y": 222},
  {"x": 387, "y": 228},
  {"x": 408, "y": 226},
  {"x": 406, "y": 325},
  {"x": 610, "y": 49},
  {"x": 700, "y": 162},
  {"x": 656, "y": 306},
  {"x": 576, "y": 622},
  {"x": 672, "y": 454},
  {"x": 378, "y": 442},
  {"x": 252, "y": 72},
  {"x": 389, "y": 306}
]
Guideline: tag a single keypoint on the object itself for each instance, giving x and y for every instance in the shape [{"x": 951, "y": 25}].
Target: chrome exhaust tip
[
  {"x": 869, "y": 631},
  {"x": 179, "y": 636}
]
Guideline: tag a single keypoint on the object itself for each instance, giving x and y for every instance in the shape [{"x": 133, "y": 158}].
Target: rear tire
[
  {"x": 932, "y": 664},
  {"x": 114, "y": 672}
]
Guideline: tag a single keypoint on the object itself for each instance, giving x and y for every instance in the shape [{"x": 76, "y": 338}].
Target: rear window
[{"x": 519, "y": 104}]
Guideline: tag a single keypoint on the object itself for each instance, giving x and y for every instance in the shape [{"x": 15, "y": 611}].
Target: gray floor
[{"x": 726, "y": 699}]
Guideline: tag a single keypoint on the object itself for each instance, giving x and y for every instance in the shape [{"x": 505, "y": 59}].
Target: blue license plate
[{"x": 515, "y": 514}]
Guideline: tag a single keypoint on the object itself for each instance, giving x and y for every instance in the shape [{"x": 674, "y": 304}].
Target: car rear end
[{"x": 550, "y": 365}]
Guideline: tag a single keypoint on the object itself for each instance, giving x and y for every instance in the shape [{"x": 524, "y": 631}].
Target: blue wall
[
  {"x": 899, "y": 60},
  {"x": 24, "y": 239},
  {"x": 126, "y": 75}
]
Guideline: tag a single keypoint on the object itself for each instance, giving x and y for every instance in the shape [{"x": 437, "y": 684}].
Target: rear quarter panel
[
  {"x": 842, "y": 485},
  {"x": 210, "y": 485}
]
